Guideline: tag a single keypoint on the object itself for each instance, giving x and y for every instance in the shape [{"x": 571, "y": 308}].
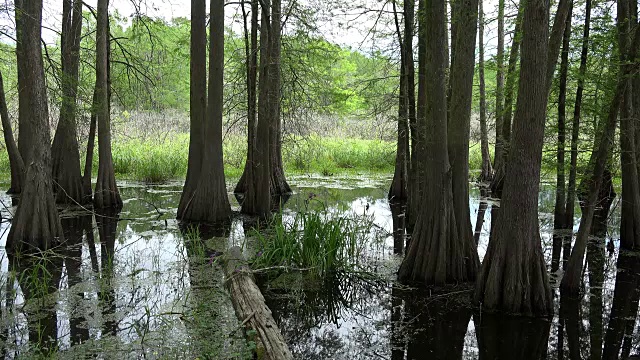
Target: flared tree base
[
  {"x": 437, "y": 254},
  {"x": 36, "y": 223}
]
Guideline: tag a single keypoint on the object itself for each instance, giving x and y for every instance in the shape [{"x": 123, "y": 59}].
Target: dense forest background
[{"x": 338, "y": 103}]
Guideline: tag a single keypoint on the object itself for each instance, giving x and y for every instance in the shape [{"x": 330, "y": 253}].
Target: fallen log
[{"x": 251, "y": 309}]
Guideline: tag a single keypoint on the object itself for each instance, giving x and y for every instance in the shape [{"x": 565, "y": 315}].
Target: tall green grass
[
  {"x": 316, "y": 241},
  {"x": 157, "y": 160}
]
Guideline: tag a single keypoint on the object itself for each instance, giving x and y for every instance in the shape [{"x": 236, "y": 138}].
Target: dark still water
[{"x": 135, "y": 285}]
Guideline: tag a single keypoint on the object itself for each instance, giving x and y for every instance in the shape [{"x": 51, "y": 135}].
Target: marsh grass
[
  {"x": 164, "y": 158},
  {"x": 319, "y": 242}
]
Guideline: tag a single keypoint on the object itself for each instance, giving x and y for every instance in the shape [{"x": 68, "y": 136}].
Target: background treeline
[{"x": 327, "y": 90}]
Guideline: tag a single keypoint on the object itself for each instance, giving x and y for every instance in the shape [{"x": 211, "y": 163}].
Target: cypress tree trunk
[
  {"x": 15, "y": 160},
  {"x": 23, "y": 98},
  {"x": 514, "y": 276},
  {"x": 88, "y": 162},
  {"x": 197, "y": 101},
  {"x": 416, "y": 186},
  {"x": 409, "y": 19},
  {"x": 486, "y": 173},
  {"x": 257, "y": 199},
  {"x": 106, "y": 194},
  {"x": 279, "y": 185},
  {"x": 487, "y": 168},
  {"x": 575, "y": 135},
  {"x": 437, "y": 253},
  {"x": 210, "y": 201},
  {"x": 36, "y": 224},
  {"x": 465, "y": 15},
  {"x": 571, "y": 280},
  {"x": 252, "y": 83},
  {"x": 555, "y": 38},
  {"x": 559, "y": 216},
  {"x": 398, "y": 190},
  {"x": 630, "y": 211},
  {"x": 499, "y": 95},
  {"x": 64, "y": 151},
  {"x": 595, "y": 261},
  {"x": 500, "y": 157}
]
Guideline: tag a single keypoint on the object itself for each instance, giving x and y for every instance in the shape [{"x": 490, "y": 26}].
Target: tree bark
[
  {"x": 15, "y": 160},
  {"x": 486, "y": 172},
  {"x": 65, "y": 152},
  {"x": 257, "y": 200},
  {"x": 23, "y": 98},
  {"x": 106, "y": 193},
  {"x": 250, "y": 307},
  {"x": 279, "y": 185},
  {"x": 630, "y": 211},
  {"x": 210, "y": 202},
  {"x": 252, "y": 83},
  {"x": 437, "y": 253},
  {"x": 91, "y": 141},
  {"x": 514, "y": 276},
  {"x": 596, "y": 262},
  {"x": 411, "y": 135},
  {"x": 555, "y": 38},
  {"x": 487, "y": 169},
  {"x": 500, "y": 157},
  {"x": 575, "y": 134},
  {"x": 398, "y": 190},
  {"x": 416, "y": 186},
  {"x": 499, "y": 95},
  {"x": 559, "y": 216},
  {"x": 197, "y": 101},
  {"x": 465, "y": 16},
  {"x": 36, "y": 223}
]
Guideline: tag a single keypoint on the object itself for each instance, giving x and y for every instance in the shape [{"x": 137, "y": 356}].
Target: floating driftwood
[{"x": 251, "y": 308}]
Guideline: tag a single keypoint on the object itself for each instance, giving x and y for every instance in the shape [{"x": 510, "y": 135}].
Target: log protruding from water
[{"x": 251, "y": 309}]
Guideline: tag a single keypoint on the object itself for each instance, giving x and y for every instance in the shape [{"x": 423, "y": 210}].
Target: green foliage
[{"x": 318, "y": 241}]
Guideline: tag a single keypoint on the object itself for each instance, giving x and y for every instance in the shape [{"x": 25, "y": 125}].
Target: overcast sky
[{"x": 332, "y": 24}]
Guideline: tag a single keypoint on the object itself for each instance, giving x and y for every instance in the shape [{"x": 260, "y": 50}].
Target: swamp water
[{"x": 135, "y": 285}]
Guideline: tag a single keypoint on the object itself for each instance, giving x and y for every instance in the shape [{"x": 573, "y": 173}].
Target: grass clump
[{"x": 317, "y": 241}]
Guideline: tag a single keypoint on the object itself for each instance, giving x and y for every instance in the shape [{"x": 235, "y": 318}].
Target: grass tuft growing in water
[{"x": 317, "y": 241}]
